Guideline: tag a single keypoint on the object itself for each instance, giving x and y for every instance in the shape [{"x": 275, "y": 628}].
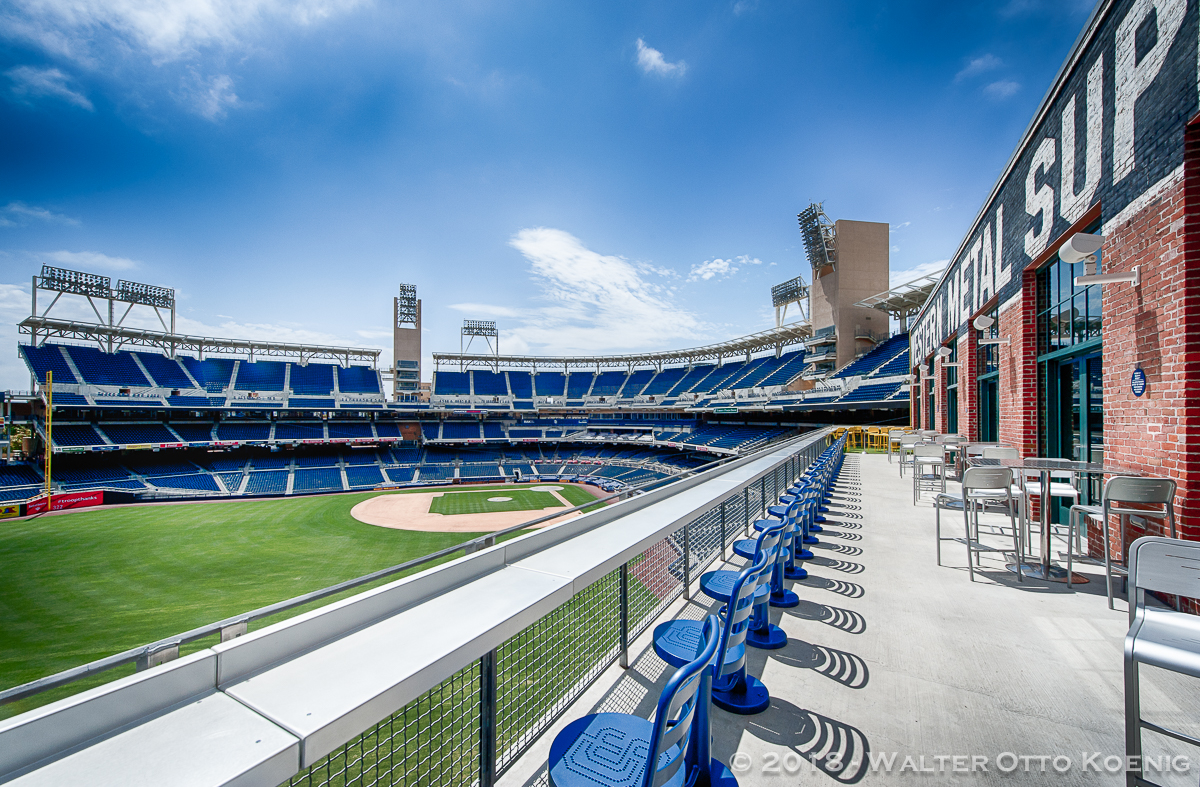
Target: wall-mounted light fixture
[
  {"x": 1083, "y": 247},
  {"x": 982, "y": 323}
]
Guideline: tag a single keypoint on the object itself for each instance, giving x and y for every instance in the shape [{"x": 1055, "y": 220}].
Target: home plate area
[{"x": 464, "y": 512}]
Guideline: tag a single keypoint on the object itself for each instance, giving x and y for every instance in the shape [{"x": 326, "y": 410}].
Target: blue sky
[{"x": 597, "y": 177}]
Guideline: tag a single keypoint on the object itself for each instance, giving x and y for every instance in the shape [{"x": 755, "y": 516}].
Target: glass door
[{"x": 1075, "y": 408}]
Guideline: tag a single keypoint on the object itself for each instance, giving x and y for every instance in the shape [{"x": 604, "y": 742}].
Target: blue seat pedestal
[
  {"x": 764, "y": 634},
  {"x": 678, "y": 642}
]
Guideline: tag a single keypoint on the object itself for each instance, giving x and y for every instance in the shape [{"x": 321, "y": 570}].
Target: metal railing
[
  {"x": 168, "y": 648},
  {"x": 471, "y": 728}
]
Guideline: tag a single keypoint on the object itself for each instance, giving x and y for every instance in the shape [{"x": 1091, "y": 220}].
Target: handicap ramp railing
[{"x": 442, "y": 678}]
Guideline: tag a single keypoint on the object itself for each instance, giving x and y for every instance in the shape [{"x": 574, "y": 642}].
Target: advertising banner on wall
[{"x": 65, "y": 501}]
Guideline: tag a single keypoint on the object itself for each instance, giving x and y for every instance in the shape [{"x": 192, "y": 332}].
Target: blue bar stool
[
  {"x": 679, "y": 641},
  {"x": 619, "y": 750},
  {"x": 719, "y": 585}
]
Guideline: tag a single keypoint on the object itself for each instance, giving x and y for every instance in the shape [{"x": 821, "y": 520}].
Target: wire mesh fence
[{"x": 472, "y": 727}]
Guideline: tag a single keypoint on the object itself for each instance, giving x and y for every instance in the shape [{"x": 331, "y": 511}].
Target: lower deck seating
[
  {"x": 269, "y": 482},
  {"x": 364, "y": 476},
  {"x": 480, "y": 471},
  {"x": 317, "y": 480},
  {"x": 201, "y": 482}
]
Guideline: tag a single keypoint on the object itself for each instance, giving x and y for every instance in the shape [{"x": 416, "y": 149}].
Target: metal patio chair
[
  {"x": 929, "y": 469},
  {"x": 1120, "y": 493},
  {"x": 679, "y": 642},
  {"x": 981, "y": 487},
  {"x": 621, "y": 750},
  {"x": 1158, "y": 637}
]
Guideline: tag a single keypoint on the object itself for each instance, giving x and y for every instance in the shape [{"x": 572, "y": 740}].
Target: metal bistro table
[{"x": 1046, "y": 569}]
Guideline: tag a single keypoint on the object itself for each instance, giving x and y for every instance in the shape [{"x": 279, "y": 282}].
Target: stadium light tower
[
  {"x": 483, "y": 329},
  {"x": 406, "y": 345},
  {"x": 783, "y": 295}
]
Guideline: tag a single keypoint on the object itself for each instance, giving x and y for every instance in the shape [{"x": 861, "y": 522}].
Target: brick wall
[
  {"x": 1154, "y": 327},
  {"x": 968, "y": 388},
  {"x": 1018, "y": 370}
]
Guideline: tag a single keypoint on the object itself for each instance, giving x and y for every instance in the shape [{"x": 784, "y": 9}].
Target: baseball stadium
[{"x": 942, "y": 525}]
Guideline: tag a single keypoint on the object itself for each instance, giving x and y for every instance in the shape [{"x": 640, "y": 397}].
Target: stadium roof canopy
[
  {"x": 774, "y": 339},
  {"x": 110, "y": 337},
  {"x": 903, "y": 300}
]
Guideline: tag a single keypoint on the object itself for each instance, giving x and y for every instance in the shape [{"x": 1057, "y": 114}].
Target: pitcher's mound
[{"x": 411, "y": 512}]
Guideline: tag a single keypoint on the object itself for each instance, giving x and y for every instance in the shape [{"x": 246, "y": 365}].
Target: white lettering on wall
[
  {"x": 968, "y": 297},
  {"x": 1039, "y": 201},
  {"x": 1003, "y": 273},
  {"x": 1074, "y": 204},
  {"x": 1134, "y": 77},
  {"x": 984, "y": 287}
]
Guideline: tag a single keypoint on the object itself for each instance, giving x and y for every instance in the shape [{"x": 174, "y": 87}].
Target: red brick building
[{"x": 1114, "y": 150}]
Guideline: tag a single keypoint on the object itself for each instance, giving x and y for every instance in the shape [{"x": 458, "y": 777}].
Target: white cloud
[
  {"x": 1001, "y": 89},
  {"x": 165, "y": 29},
  {"x": 718, "y": 267},
  {"x": 594, "y": 303},
  {"x": 742, "y": 6},
  {"x": 89, "y": 260},
  {"x": 32, "y": 82},
  {"x": 900, "y": 226},
  {"x": 924, "y": 269},
  {"x": 18, "y": 214},
  {"x": 485, "y": 310},
  {"x": 211, "y": 97},
  {"x": 651, "y": 61},
  {"x": 978, "y": 65}
]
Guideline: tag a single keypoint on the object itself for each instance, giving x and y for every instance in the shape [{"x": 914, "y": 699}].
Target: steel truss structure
[
  {"x": 482, "y": 329},
  {"x": 93, "y": 287},
  {"x": 783, "y": 295},
  {"x": 774, "y": 339},
  {"x": 903, "y": 300},
  {"x": 117, "y": 336}
]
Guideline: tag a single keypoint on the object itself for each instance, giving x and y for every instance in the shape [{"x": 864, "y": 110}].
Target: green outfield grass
[
  {"x": 477, "y": 502},
  {"x": 84, "y": 585}
]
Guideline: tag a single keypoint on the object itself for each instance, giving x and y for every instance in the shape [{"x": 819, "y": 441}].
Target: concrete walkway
[{"x": 892, "y": 659}]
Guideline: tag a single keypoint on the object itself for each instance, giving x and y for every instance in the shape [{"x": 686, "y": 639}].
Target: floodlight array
[
  {"x": 817, "y": 231},
  {"x": 791, "y": 291},
  {"x": 74, "y": 282},
  {"x": 148, "y": 294},
  {"x": 406, "y": 305},
  {"x": 479, "y": 328}
]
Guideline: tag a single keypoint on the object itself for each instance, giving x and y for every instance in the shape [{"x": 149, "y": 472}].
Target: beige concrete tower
[{"x": 406, "y": 345}]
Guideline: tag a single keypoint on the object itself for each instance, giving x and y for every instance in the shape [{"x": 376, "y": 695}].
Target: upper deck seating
[
  {"x": 689, "y": 380},
  {"x": 127, "y": 434},
  {"x": 65, "y": 399},
  {"x": 516, "y": 432},
  {"x": 406, "y": 456},
  {"x": 608, "y": 383},
  {"x": 635, "y": 382},
  {"x": 718, "y": 377},
  {"x": 871, "y": 393},
  {"x": 101, "y": 368},
  {"x": 875, "y": 358},
  {"x": 20, "y": 475},
  {"x": 578, "y": 384},
  {"x": 439, "y": 455},
  {"x": 899, "y": 364},
  {"x": 521, "y": 384},
  {"x": 662, "y": 383},
  {"x": 196, "y": 402},
  {"x": 754, "y": 372},
  {"x": 451, "y": 383},
  {"x": 213, "y": 374},
  {"x": 549, "y": 383},
  {"x": 221, "y": 464},
  {"x": 46, "y": 358},
  {"x": 493, "y": 431},
  {"x": 489, "y": 383},
  {"x": 791, "y": 365},
  {"x": 431, "y": 431},
  {"x": 271, "y": 462},
  {"x": 315, "y": 379},
  {"x": 358, "y": 379},
  {"x": 385, "y": 429},
  {"x": 260, "y": 376},
  {"x": 317, "y": 460},
  {"x": 167, "y": 372}
]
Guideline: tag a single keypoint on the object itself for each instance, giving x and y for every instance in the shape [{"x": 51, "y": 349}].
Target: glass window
[
  {"x": 952, "y": 390},
  {"x": 1067, "y": 315}
]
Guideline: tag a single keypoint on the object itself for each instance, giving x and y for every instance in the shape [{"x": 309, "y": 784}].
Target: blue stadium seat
[
  {"x": 271, "y": 482},
  {"x": 549, "y": 383},
  {"x": 271, "y": 462},
  {"x": 662, "y": 383},
  {"x": 232, "y": 481},
  {"x": 201, "y": 482},
  {"x": 129, "y": 434},
  {"x": 451, "y": 383},
  {"x": 871, "y": 393},
  {"x": 690, "y": 379},
  {"x": 489, "y": 383},
  {"x": 364, "y": 476},
  {"x": 578, "y": 384},
  {"x": 76, "y": 434},
  {"x": 384, "y": 429},
  {"x": 521, "y": 384},
  {"x": 401, "y": 475},
  {"x": 297, "y": 403},
  {"x": 349, "y": 430},
  {"x": 101, "y": 368},
  {"x": 64, "y": 399},
  {"x": 260, "y": 376},
  {"x": 608, "y": 383},
  {"x": 212, "y": 374},
  {"x": 635, "y": 382},
  {"x": 194, "y": 433},
  {"x": 493, "y": 431},
  {"x": 790, "y": 367},
  {"x": 317, "y": 460},
  {"x": 479, "y": 471},
  {"x": 875, "y": 358},
  {"x": 406, "y": 456},
  {"x": 243, "y": 431},
  {"x": 358, "y": 379},
  {"x": 436, "y": 473},
  {"x": 455, "y": 430},
  {"x": 167, "y": 372},
  {"x": 318, "y": 480},
  {"x": 314, "y": 379},
  {"x": 193, "y": 402},
  {"x": 46, "y": 358}
]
